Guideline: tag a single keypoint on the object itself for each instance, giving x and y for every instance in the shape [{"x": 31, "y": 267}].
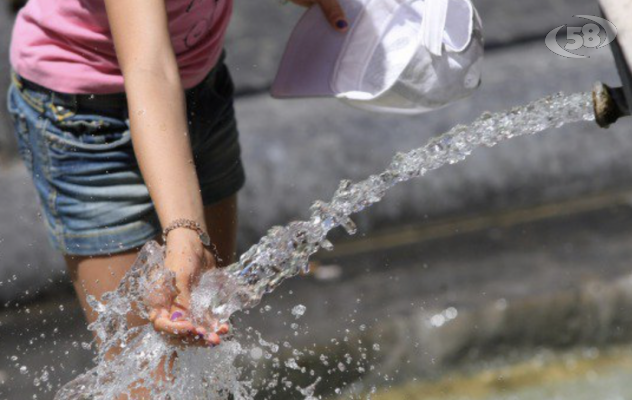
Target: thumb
[
  {"x": 183, "y": 298},
  {"x": 334, "y": 14}
]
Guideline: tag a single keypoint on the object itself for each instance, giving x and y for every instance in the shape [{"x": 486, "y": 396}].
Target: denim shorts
[{"x": 92, "y": 194}]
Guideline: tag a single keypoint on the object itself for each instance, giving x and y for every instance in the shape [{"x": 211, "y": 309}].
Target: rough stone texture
[
  {"x": 25, "y": 252},
  {"x": 512, "y": 266},
  {"x": 305, "y": 147},
  {"x": 554, "y": 284}
]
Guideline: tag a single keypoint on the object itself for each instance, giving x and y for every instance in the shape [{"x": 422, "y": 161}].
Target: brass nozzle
[{"x": 609, "y": 104}]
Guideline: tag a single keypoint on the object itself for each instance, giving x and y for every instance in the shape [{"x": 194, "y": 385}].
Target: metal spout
[
  {"x": 613, "y": 103},
  {"x": 609, "y": 104}
]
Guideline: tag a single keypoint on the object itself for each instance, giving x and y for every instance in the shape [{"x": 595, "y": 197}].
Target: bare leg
[
  {"x": 101, "y": 274},
  {"x": 221, "y": 220},
  {"x": 98, "y": 275}
]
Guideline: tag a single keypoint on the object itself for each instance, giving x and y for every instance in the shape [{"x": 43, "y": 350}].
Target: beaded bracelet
[{"x": 187, "y": 224}]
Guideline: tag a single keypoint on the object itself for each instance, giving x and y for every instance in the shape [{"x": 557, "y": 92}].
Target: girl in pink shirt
[{"x": 124, "y": 116}]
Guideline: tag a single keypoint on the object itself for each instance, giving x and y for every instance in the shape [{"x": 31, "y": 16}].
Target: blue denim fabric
[{"x": 90, "y": 188}]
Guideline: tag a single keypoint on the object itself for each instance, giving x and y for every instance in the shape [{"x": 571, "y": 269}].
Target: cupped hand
[
  {"x": 170, "y": 312},
  {"x": 332, "y": 10}
]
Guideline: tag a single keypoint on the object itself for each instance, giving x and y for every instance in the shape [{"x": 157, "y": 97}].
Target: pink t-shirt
[{"x": 66, "y": 45}]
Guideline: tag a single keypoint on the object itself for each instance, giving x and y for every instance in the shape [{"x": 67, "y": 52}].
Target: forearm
[
  {"x": 157, "y": 107},
  {"x": 161, "y": 142},
  {"x": 159, "y": 128}
]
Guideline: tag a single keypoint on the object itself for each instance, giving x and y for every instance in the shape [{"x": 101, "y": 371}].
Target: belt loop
[
  {"x": 15, "y": 78},
  {"x": 20, "y": 85},
  {"x": 74, "y": 102}
]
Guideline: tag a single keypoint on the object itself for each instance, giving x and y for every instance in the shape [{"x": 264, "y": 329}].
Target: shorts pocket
[
  {"x": 88, "y": 154},
  {"x": 86, "y": 132},
  {"x": 88, "y": 141}
]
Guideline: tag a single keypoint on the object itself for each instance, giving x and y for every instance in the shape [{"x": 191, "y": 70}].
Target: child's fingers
[
  {"x": 165, "y": 323},
  {"x": 177, "y": 328},
  {"x": 223, "y": 329},
  {"x": 213, "y": 338},
  {"x": 334, "y": 13},
  {"x": 197, "y": 338},
  {"x": 175, "y": 324}
]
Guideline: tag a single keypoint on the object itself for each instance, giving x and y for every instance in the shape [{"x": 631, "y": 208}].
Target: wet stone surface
[{"x": 449, "y": 283}]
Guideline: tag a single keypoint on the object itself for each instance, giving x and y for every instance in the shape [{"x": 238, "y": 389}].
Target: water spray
[{"x": 285, "y": 250}]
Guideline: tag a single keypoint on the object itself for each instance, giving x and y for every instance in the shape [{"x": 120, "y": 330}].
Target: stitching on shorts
[
  {"x": 15, "y": 80},
  {"x": 43, "y": 150},
  {"x": 52, "y": 232},
  {"x": 59, "y": 117},
  {"x": 111, "y": 231},
  {"x": 30, "y": 100},
  {"x": 9, "y": 99},
  {"x": 21, "y": 129},
  {"x": 58, "y": 229},
  {"x": 33, "y": 102},
  {"x": 24, "y": 132}
]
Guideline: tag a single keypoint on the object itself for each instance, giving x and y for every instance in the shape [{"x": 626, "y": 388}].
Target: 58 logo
[{"x": 592, "y": 35}]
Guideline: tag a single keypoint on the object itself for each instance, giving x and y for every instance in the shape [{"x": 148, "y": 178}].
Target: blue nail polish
[{"x": 341, "y": 24}]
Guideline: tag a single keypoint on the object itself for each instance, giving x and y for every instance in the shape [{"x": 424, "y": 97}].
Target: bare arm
[{"x": 159, "y": 129}]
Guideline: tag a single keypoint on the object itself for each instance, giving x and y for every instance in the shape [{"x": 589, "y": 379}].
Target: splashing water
[{"x": 199, "y": 373}]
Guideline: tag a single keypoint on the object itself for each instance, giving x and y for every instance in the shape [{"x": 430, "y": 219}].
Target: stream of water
[{"x": 229, "y": 370}]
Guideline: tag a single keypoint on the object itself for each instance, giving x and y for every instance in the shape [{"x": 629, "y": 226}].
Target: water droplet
[
  {"x": 298, "y": 311},
  {"x": 437, "y": 320},
  {"x": 256, "y": 353},
  {"x": 451, "y": 313}
]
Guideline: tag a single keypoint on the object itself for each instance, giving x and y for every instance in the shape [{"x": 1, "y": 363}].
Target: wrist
[
  {"x": 183, "y": 235},
  {"x": 189, "y": 226},
  {"x": 184, "y": 242}
]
